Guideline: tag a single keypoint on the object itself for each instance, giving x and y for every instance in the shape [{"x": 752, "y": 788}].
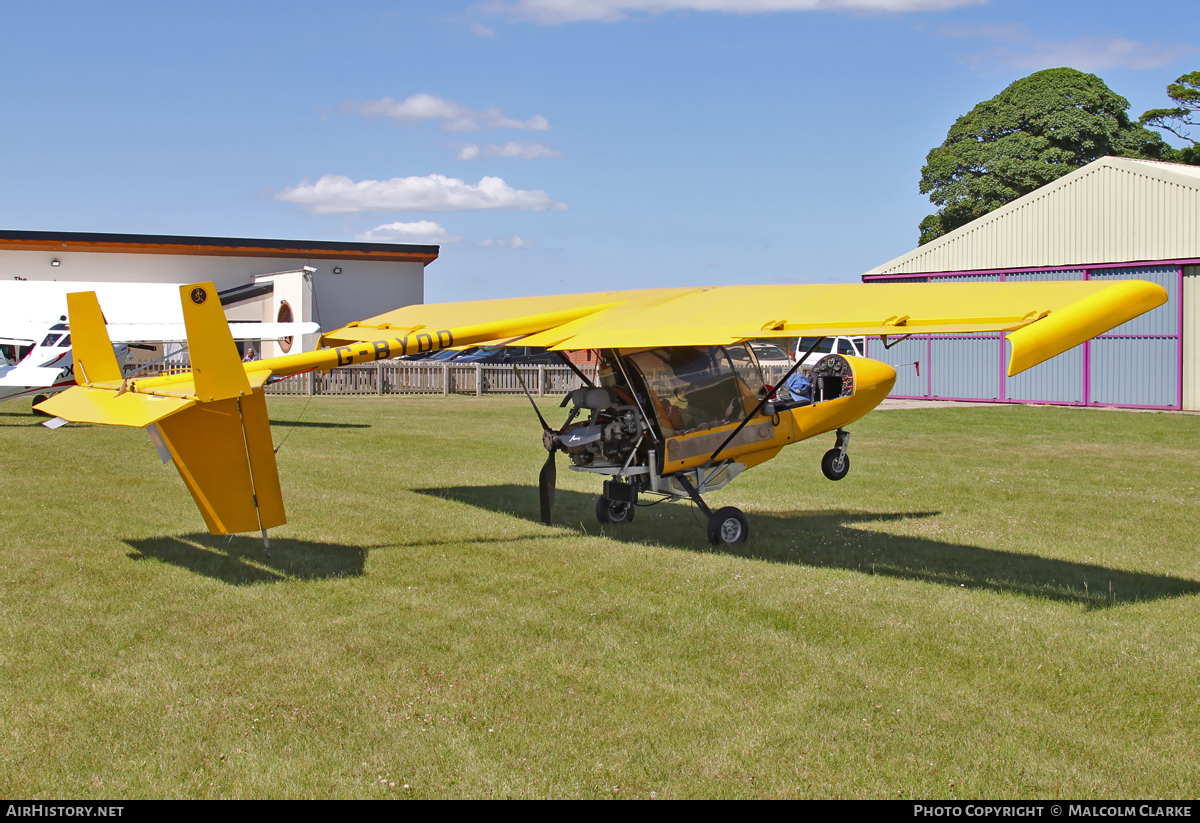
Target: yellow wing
[{"x": 1045, "y": 318}]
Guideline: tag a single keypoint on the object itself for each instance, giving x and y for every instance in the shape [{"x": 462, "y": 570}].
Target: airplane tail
[
  {"x": 212, "y": 424},
  {"x": 222, "y": 445}
]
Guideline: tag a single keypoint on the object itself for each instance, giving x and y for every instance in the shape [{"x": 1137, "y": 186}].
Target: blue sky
[{"x": 548, "y": 145}]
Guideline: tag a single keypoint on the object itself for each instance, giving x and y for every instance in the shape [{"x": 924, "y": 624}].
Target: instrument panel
[{"x": 831, "y": 378}]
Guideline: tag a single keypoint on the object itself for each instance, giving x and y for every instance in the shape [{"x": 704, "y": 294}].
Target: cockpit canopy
[{"x": 699, "y": 387}]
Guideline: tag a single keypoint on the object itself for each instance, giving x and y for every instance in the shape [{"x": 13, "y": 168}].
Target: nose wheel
[
  {"x": 614, "y": 511},
  {"x": 728, "y": 525},
  {"x": 836, "y": 462}
]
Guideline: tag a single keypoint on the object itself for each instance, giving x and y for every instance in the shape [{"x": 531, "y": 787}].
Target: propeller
[
  {"x": 547, "y": 481},
  {"x": 548, "y": 476}
]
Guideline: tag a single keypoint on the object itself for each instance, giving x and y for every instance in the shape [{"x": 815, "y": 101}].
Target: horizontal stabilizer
[{"x": 84, "y": 405}]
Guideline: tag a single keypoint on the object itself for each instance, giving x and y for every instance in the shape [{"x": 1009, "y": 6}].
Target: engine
[{"x": 609, "y": 435}]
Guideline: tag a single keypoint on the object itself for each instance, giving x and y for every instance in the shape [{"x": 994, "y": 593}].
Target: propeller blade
[{"x": 547, "y": 480}]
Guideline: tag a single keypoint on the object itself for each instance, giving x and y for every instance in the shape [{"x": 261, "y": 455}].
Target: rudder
[{"x": 91, "y": 348}]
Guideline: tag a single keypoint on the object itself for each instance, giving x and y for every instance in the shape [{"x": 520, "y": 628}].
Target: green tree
[
  {"x": 1186, "y": 93},
  {"x": 1035, "y": 131}
]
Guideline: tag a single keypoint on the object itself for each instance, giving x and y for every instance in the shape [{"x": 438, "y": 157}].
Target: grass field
[{"x": 998, "y": 602}]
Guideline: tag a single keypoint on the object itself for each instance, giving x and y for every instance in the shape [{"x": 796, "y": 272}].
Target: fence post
[
  {"x": 308, "y": 384},
  {"x": 479, "y": 380},
  {"x": 541, "y": 381},
  {"x": 378, "y": 378}
]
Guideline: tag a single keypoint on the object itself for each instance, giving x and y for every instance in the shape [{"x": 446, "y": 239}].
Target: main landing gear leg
[
  {"x": 836, "y": 463},
  {"x": 726, "y": 525}
]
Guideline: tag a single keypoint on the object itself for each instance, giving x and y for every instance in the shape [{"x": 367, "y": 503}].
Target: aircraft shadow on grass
[
  {"x": 21, "y": 418},
  {"x": 240, "y": 560},
  {"x": 843, "y": 540},
  {"x": 316, "y": 424}
]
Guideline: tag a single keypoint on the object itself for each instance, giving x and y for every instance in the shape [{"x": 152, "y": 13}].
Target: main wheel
[
  {"x": 613, "y": 511},
  {"x": 41, "y": 398},
  {"x": 728, "y": 525},
  {"x": 835, "y": 464}
]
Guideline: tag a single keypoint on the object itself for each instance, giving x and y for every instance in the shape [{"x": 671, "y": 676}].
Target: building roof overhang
[{"x": 214, "y": 246}]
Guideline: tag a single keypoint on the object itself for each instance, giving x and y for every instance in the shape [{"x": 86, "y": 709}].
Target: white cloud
[
  {"x": 1026, "y": 52},
  {"x": 416, "y": 108},
  {"x": 535, "y": 123},
  {"x": 454, "y": 117},
  {"x": 513, "y": 242},
  {"x": 523, "y": 149},
  {"x": 1085, "y": 54},
  {"x": 482, "y": 31},
  {"x": 554, "y": 12},
  {"x": 465, "y": 124},
  {"x": 422, "y": 231},
  {"x": 336, "y": 194}
]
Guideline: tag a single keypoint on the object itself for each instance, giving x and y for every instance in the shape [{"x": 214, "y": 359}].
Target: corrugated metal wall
[
  {"x": 1058, "y": 380},
  {"x": 965, "y": 366},
  {"x": 912, "y": 380},
  {"x": 1191, "y": 338},
  {"x": 1111, "y": 209},
  {"x": 1136, "y": 364}
]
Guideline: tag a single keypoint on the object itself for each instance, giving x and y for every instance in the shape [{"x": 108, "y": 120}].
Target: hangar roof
[
  {"x": 214, "y": 246},
  {"x": 1112, "y": 210}
]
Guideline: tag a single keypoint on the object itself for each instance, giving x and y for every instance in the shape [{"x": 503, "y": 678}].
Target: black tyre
[
  {"x": 41, "y": 398},
  {"x": 602, "y": 509},
  {"x": 613, "y": 511},
  {"x": 728, "y": 525},
  {"x": 835, "y": 464}
]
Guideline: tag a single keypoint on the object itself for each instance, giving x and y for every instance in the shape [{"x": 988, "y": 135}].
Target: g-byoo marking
[{"x": 395, "y": 347}]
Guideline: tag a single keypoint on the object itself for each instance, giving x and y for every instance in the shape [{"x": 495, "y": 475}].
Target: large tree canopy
[
  {"x": 1036, "y": 130},
  {"x": 1186, "y": 112}
]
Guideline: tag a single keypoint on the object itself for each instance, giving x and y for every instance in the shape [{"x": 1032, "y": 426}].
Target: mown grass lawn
[{"x": 998, "y": 602}]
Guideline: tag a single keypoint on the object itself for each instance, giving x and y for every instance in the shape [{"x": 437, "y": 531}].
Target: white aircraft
[{"x": 35, "y": 340}]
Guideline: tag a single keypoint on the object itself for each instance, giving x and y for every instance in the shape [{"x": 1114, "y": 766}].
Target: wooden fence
[
  {"x": 404, "y": 377},
  {"x": 417, "y": 377}
]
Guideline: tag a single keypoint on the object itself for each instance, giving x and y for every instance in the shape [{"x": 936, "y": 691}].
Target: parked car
[
  {"x": 769, "y": 354},
  {"x": 849, "y": 346},
  {"x": 503, "y": 355},
  {"x": 442, "y": 355}
]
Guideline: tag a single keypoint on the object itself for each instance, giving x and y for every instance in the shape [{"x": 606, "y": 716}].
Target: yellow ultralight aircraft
[{"x": 679, "y": 409}]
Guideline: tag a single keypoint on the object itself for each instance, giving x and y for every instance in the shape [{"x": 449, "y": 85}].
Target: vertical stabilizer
[
  {"x": 91, "y": 348},
  {"x": 217, "y": 369}
]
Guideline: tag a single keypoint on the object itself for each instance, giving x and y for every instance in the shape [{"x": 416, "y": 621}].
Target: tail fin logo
[{"x": 199, "y": 295}]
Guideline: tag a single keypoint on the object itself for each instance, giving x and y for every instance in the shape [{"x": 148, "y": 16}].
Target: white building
[{"x": 332, "y": 283}]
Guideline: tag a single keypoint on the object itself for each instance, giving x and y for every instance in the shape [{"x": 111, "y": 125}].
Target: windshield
[{"x": 695, "y": 387}]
